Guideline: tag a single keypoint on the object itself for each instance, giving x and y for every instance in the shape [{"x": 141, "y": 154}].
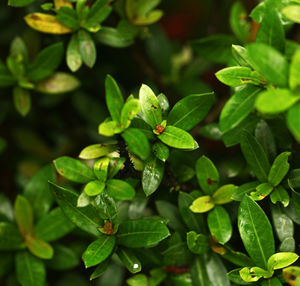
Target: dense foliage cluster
[{"x": 179, "y": 183}]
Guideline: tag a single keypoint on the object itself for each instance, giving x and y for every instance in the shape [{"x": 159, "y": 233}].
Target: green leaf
[
  {"x": 138, "y": 280},
  {"x": 291, "y": 273},
  {"x": 219, "y": 224},
  {"x": 137, "y": 142},
  {"x": 177, "y": 138},
  {"x": 141, "y": 233},
  {"x": 99, "y": 11},
  {"x": 53, "y": 226},
  {"x": 216, "y": 48},
  {"x": 164, "y": 103},
  {"x": 22, "y": 100},
  {"x": 261, "y": 192},
  {"x": 271, "y": 31},
  {"x": 281, "y": 260},
  {"x": 98, "y": 250},
  {"x": 279, "y": 194},
  {"x": 273, "y": 101},
  {"x": 217, "y": 271},
  {"x": 292, "y": 12},
  {"x": 24, "y": 215},
  {"x": 207, "y": 175},
  {"x": 68, "y": 17},
  {"x": 73, "y": 56},
  {"x": 114, "y": 98},
  {"x": 243, "y": 190},
  {"x": 6, "y": 78},
  {"x": 97, "y": 150},
  {"x": 39, "y": 247},
  {"x": 193, "y": 221},
  {"x": 279, "y": 169},
  {"x": 236, "y": 257},
  {"x": 239, "y": 23},
  {"x": 74, "y": 170},
  {"x": 46, "y": 62},
  {"x": 87, "y": 48},
  {"x": 101, "y": 268},
  {"x": 101, "y": 168},
  {"x": 248, "y": 275},
  {"x": 197, "y": 243},
  {"x": 271, "y": 282},
  {"x": 10, "y": 238},
  {"x": 150, "y": 106},
  {"x": 288, "y": 244},
  {"x": 130, "y": 109},
  {"x": 161, "y": 151},
  {"x": 202, "y": 204},
  {"x": 240, "y": 54},
  {"x": 234, "y": 276},
  {"x": 37, "y": 190},
  {"x": 255, "y": 156},
  {"x": 86, "y": 218},
  {"x": 113, "y": 37},
  {"x": 152, "y": 175},
  {"x": 255, "y": 231},
  {"x": 19, "y": 3},
  {"x": 269, "y": 63},
  {"x": 237, "y": 76},
  {"x": 294, "y": 81},
  {"x": 129, "y": 260},
  {"x": 293, "y": 121},
  {"x": 109, "y": 128},
  {"x": 223, "y": 195},
  {"x": 94, "y": 188},
  {"x": 120, "y": 190},
  {"x": 191, "y": 110},
  {"x": 199, "y": 273},
  {"x": 30, "y": 270}
]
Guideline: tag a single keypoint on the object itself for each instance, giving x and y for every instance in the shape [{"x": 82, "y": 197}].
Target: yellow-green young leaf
[
  {"x": 292, "y": 12},
  {"x": 294, "y": 78},
  {"x": 279, "y": 194},
  {"x": 237, "y": 76},
  {"x": 247, "y": 276},
  {"x": 24, "y": 216},
  {"x": 150, "y": 106},
  {"x": 240, "y": 54},
  {"x": 281, "y": 260},
  {"x": 161, "y": 151},
  {"x": 22, "y": 100},
  {"x": 129, "y": 260},
  {"x": 177, "y": 138},
  {"x": 293, "y": 121},
  {"x": 292, "y": 275},
  {"x": 120, "y": 190},
  {"x": 130, "y": 109},
  {"x": 261, "y": 272},
  {"x": 202, "y": 204},
  {"x": 46, "y": 24},
  {"x": 279, "y": 169},
  {"x": 39, "y": 247},
  {"x": 94, "y": 188},
  {"x": 114, "y": 98},
  {"x": 59, "y": 82},
  {"x": 151, "y": 18},
  {"x": 207, "y": 175},
  {"x": 243, "y": 190},
  {"x": 97, "y": 150},
  {"x": 87, "y": 48},
  {"x": 74, "y": 170},
  {"x": 138, "y": 280},
  {"x": 261, "y": 192},
  {"x": 98, "y": 250},
  {"x": 60, "y": 3},
  {"x": 223, "y": 195},
  {"x": 273, "y": 101},
  {"x": 197, "y": 243},
  {"x": 73, "y": 57},
  {"x": 101, "y": 168},
  {"x": 109, "y": 128}
]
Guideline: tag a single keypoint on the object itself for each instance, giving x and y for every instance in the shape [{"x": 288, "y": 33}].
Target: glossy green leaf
[
  {"x": 269, "y": 63},
  {"x": 152, "y": 175},
  {"x": 24, "y": 215},
  {"x": 101, "y": 168},
  {"x": 53, "y": 226},
  {"x": 248, "y": 275},
  {"x": 120, "y": 190},
  {"x": 279, "y": 169},
  {"x": 137, "y": 142},
  {"x": 292, "y": 12},
  {"x": 202, "y": 204},
  {"x": 294, "y": 71},
  {"x": 129, "y": 260},
  {"x": 30, "y": 270},
  {"x": 273, "y": 101},
  {"x": 234, "y": 276},
  {"x": 239, "y": 22},
  {"x": 197, "y": 243},
  {"x": 199, "y": 272},
  {"x": 98, "y": 12},
  {"x": 161, "y": 151},
  {"x": 73, "y": 57},
  {"x": 150, "y": 106},
  {"x": 279, "y": 194},
  {"x": 68, "y": 17},
  {"x": 238, "y": 107},
  {"x": 255, "y": 156},
  {"x": 244, "y": 189},
  {"x": 292, "y": 275},
  {"x": 39, "y": 247},
  {"x": 10, "y": 238},
  {"x": 98, "y": 250},
  {"x": 223, "y": 195},
  {"x": 87, "y": 48},
  {"x": 261, "y": 192},
  {"x": 255, "y": 231},
  {"x": 112, "y": 37},
  {"x": 219, "y": 224},
  {"x": 22, "y": 100},
  {"x": 191, "y": 110},
  {"x": 236, "y": 257},
  {"x": 141, "y": 233},
  {"x": 109, "y": 128},
  {"x": 97, "y": 150},
  {"x": 130, "y": 109},
  {"x": 74, "y": 170},
  {"x": 177, "y": 138},
  {"x": 37, "y": 190},
  {"x": 86, "y": 218},
  {"x": 281, "y": 260},
  {"x": 293, "y": 121},
  {"x": 94, "y": 188},
  {"x": 114, "y": 98},
  {"x": 216, "y": 271},
  {"x": 240, "y": 54},
  {"x": 101, "y": 268}
]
